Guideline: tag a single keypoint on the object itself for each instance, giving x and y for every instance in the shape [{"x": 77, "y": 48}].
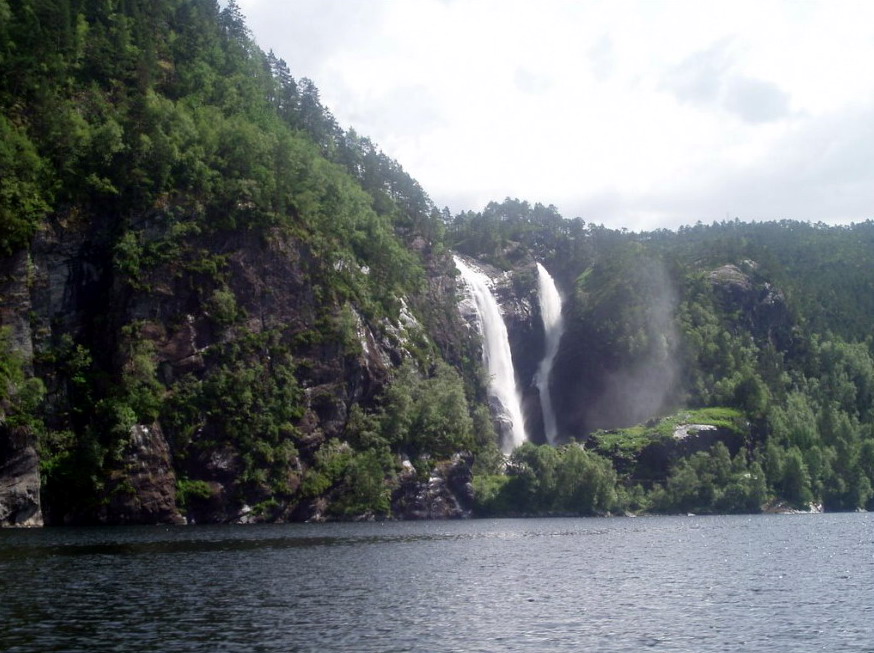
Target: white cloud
[
  {"x": 755, "y": 100},
  {"x": 602, "y": 58},
  {"x": 707, "y": 79},
  {"x": 632, "y": 113},
  {"x": 699, "y": 78}
]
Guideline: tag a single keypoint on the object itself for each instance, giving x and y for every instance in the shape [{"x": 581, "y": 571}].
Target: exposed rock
[
  {"x": 213, "y": 508},
  {"x": 447, "y": 494},
  {"x": 616, "y": 363},
  {"x": 314, "y": 511},
  {"x": 144, "y": 490},
  {"x": 459, "y": 478},
  {"x": 686, "y": 430},
  {"x": 691, "y": 438},
  {"x": 760, "y": 304},
  {"x": 68, "y": 279},
  {"x": 72, "y": 291},
  {"x": 19, "y": 478},
  {"x": 655, "y": 460},
  {"x": 52, "y": 293},
  {"x": 15, "y": 304},
  {"x": 516, "y": 294},
  {"x": 220, "y": 467},
  {"x": 781, "y": 507},
  {"x": 19, "y": 463},
  {"x": 730, "y": 278}
]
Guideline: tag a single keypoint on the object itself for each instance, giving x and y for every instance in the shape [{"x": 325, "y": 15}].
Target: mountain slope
[{"x": 210, "y": 282}]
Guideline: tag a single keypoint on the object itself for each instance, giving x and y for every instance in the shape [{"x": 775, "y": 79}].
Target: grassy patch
[
  {"x": 628, "y": 442},
  {"x": 625, "y": 441},
  {"x": 726, "y": 418}
]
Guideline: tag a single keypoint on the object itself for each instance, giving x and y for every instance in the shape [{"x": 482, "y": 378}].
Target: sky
[{"x": 636, "y": 114}]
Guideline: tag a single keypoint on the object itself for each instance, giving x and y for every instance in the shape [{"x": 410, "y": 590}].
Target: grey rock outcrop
[
  {"x": 516, "y": 294},
  {"x": 143, "y": 491},
  {"x": 19, "y": 478},
  {"x": 19, "y": 462},
  {"x": 446, "y": 494},
  {"x": 761, "y": 305}
]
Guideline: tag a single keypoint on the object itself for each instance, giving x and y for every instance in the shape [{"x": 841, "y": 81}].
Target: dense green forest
[
  {"x": 204, "y": 274},
  {"x": 760, "y": 331},
  {"x": 176, "y": 156}
]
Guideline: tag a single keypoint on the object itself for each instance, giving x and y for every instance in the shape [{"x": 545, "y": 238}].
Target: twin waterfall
[
  {"x": 496, "y": 355},
  {"x": 553, "y": 327},
  {"x": 498, "y": 358}
]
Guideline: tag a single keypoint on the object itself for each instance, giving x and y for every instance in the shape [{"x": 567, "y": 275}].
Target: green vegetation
[
  {"x": 20, "y": 394},
  {"x": 710, "y": 482},
  {"x": 760, "y": 330},
  {"x": 192, "y": 163},
  {"x": 550, "y": 480},
  {"x": 629, "y": 442},
  {"x": 427, "y": 416},
  {"x": 187, "y": 490},
  {"x": 269, "y": 289}
]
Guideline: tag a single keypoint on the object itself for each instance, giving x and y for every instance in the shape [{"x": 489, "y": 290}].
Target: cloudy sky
[{"x": 635, "y": 114}]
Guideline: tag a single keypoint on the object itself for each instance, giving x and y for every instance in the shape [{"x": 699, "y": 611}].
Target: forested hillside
[
  {"x": 745, "y": 348},
  {"x": 218, "y": 305},
  {"x": 208, "y": 285}
]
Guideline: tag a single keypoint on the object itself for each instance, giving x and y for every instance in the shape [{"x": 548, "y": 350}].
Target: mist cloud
[{"x": 644, "y": 389}]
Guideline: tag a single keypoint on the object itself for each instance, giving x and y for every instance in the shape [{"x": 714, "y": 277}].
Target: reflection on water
[{"x": 763, "y": 583}]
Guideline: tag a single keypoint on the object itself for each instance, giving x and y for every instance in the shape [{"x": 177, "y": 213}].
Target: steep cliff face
[
  {"x": 516, "y": 294},
  {"x": 237, "y": 349},
  {"x": 142, "y": 490},
  {"x": 19, "y": 478},
  {"x": 202, "y": 274},
  {"x": 19, "y": 463},
  {"x": 446, "y": 494},
  {"x": 617, "y": 361},
  {"x": 760, "y": 305},
  {"x": 621, "y": 358}
]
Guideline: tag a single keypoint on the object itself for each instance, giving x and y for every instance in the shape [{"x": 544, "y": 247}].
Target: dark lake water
[{"x": 760, "y": 583}]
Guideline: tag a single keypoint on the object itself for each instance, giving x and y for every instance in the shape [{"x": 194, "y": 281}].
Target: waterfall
[
  {"x": 497, "y": 356},
  {"x": 553, "y": 327}
]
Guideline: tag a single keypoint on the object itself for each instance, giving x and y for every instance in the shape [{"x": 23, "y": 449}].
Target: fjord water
[
  {"x": 496, "y": 353},
  {"x": 740, "y": 583},
  {"x": 553, "y": 328}
]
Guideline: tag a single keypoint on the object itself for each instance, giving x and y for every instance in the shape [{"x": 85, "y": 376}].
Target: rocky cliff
[
  {"x": 208, "y": 288},
  {"x": 622, "y": 359},
  {"x": 19, "y": 478},
  {"x": 760, "y": 305},
  {"x": 516, "y": 294},
  {"x": 113, "y": 346}
]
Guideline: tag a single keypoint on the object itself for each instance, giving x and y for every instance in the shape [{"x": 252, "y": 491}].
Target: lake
[{"x": 732, "y": 583}]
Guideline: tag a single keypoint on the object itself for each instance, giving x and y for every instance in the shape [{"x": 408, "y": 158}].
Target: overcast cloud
[{"x": 633, "y": 114}]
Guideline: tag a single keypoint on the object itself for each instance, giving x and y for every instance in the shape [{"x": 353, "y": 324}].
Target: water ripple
[{"x": 799, "y": 583}]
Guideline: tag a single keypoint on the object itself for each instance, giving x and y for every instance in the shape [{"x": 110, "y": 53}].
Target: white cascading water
[
  {"x": 497, "y": 356},
  {"x": 553, "y": 327}
]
